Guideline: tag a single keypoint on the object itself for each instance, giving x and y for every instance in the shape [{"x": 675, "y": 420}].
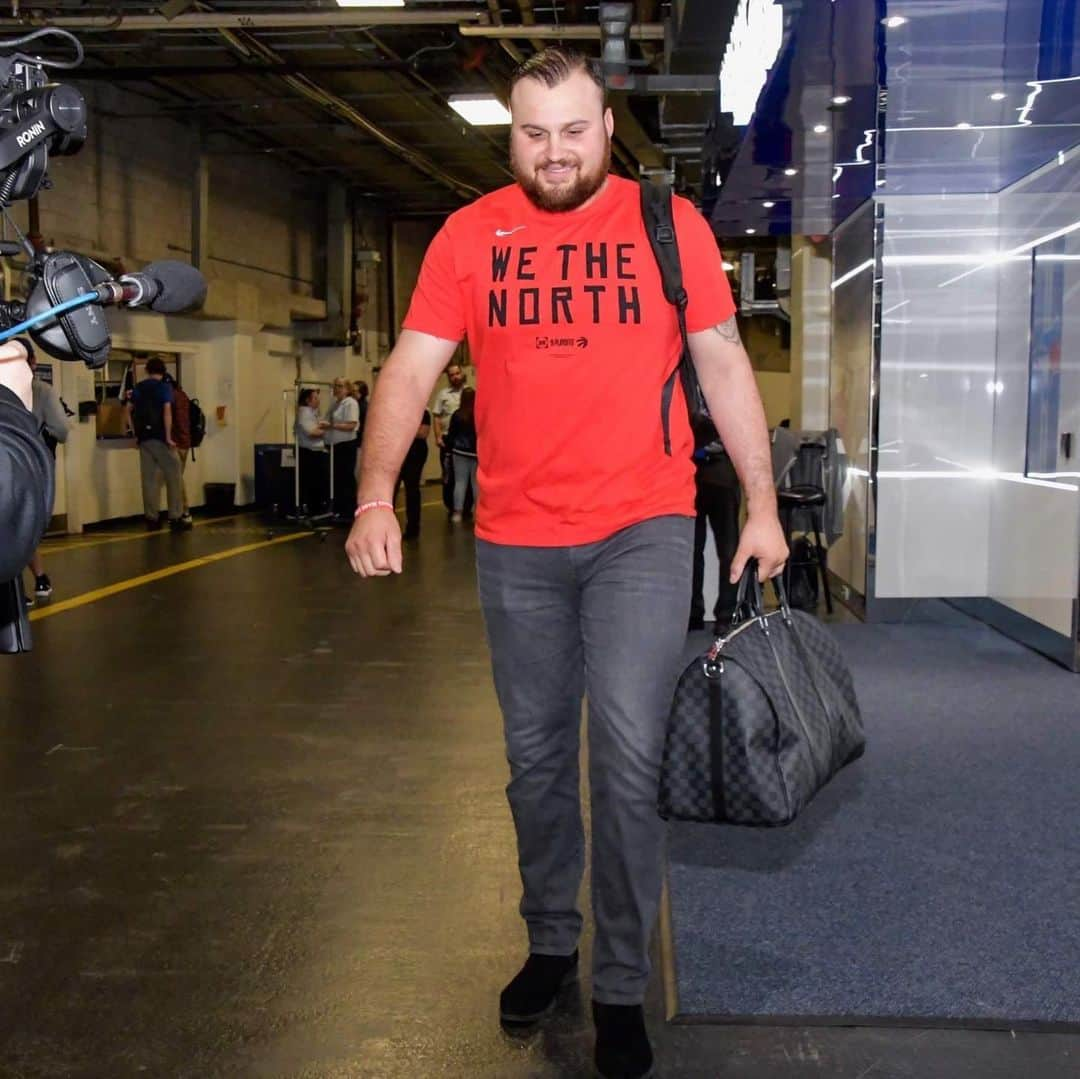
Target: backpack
[
  {"x": 147, "y": 417},
  {"x": 660, "y": 226},
  {"x": 196, "y": 423}
]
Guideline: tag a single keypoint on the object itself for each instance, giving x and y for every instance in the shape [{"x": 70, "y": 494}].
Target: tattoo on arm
[{"x": 729, "y": 331}]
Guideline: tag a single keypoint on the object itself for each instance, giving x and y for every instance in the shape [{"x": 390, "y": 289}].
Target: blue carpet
[{"x": 936, "y": 880}]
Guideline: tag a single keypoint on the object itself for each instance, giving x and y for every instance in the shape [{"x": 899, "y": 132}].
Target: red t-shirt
[{"x": 572, "y": 340}]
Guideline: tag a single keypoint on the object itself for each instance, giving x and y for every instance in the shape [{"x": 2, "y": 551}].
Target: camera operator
[{"x": 26, "y": 466}]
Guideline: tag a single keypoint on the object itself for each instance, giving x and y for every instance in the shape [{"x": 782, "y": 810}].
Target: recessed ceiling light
[
  {"x": 820, "y": 129},
  {"x": 963, "y": 125},
  {"x": 998, "y": 95},
  {"x": 481, "y": 110},
  {"x": 791, "y": 172},
  {"x": 768, "y": 205},
  {"x": 893, "y": 21},
  {"x": 841, "y": 99},
  {"x": 750, "y": 232}
]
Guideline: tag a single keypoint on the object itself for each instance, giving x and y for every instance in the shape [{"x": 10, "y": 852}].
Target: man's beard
[{"x": 566, "y": 196}]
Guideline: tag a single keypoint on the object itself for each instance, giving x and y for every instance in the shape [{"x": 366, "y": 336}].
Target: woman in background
[
  {"x": 461, "y": 441},
  {"x": 312, "y": 459}
]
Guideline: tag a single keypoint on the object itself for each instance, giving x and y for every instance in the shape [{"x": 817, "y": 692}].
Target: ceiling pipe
[
  {"x": 220, "y": 20},
  {"x": 653, "y": 31}
]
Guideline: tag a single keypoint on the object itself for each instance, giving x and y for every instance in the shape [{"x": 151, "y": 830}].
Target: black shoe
[
  {"x": 622, "y": 1042},
  {"x": 153, "y": 524},
  {"x": 180, "y": 524},
  {"x": 695, "y": 624},
  {"x": 532, "y": 994},
  {"x": 42, "y": 586}
]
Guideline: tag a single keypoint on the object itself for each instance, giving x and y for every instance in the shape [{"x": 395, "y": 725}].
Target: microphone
[{"x": 167, "y": 287}]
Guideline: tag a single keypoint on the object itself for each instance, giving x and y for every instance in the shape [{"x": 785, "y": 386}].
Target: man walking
[{"x": 585, "y": 531}]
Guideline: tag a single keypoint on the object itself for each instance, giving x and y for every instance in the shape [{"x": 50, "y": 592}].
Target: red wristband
[{"x": 378, "y": 503}]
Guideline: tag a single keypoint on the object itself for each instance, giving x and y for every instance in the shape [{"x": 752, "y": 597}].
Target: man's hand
[
  {"x": 374, "y": 543},
  {"x": 15, "y": 372},
  {"x": 762, "y": 538}
]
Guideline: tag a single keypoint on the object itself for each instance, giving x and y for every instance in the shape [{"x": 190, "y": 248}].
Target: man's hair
[
  {"x": 155, "y": 366},
  {"x": 555, "y": 64}
]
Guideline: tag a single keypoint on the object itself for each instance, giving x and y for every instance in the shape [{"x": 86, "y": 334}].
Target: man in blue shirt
[{"x": 149, "y": 417}]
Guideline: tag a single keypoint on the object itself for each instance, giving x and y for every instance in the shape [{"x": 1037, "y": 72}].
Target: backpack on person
[
  {"x": 196, "y": 424},
  {"x": 656, "y": 211},
  {"x": 147, "y": 416}
]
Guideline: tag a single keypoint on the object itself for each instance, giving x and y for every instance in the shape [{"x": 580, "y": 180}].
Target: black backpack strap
[{"x": 659, "y": 220}]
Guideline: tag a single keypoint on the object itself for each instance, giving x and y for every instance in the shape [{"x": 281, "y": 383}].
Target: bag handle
[{"x": 751, "y": 597}]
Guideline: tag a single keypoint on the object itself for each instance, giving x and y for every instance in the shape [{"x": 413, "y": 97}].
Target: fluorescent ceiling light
[
  {"x": 998, "y": 96},
  {"x": 768, "y": 205},
  {"x": 841, "y": 99},
  {"x": 481, "y": 110},
  {"x": 893, "y": 21},
  {"x": 791, "y": 172},
  {"x": 371, "y": 3},
  {"x": 820, "y": 129},
  {"x": 750, "y": 232}
]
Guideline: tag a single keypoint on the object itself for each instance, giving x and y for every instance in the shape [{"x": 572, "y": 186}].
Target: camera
[{"x": 65, "y": 291}]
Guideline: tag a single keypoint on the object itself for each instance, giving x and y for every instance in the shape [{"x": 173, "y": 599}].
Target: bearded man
[{"x": 585, "y": 520}]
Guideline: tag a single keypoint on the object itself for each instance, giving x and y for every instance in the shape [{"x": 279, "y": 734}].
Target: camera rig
[{"x": 65, "y": 291}]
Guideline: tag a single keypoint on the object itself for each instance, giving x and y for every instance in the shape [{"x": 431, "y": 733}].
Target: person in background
[
  {"x": 181, "y": 436},
  {"x": 340, "y": 433},
  {"x": 412, "y": 469},
  {"x": 49, "y": 415},
  {"x": 359, "y": 392},
  {"x": 312, "y": 458},
  {"x": 447, "y": 402},
  {"x": 717, "y": 506},
  {"x": 149, "y": 416},
  {"x": 461, "y": 442},
  {"x": 26, "y": 484}
]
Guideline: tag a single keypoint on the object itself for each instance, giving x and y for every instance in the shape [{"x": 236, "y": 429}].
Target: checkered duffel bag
[{"x": 761, "y": 721}]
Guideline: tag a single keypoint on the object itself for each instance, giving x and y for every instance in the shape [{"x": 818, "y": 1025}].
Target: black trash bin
[{"x": 220, "y": 497}]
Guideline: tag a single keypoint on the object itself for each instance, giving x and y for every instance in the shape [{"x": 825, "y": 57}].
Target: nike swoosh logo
[{"x": 509, "y": 232}]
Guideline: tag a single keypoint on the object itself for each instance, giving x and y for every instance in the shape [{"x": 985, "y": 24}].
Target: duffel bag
[{"x": 762, "y": 720}]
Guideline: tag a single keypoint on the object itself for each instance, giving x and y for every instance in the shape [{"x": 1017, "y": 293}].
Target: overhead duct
[{"x": 356, "y": 18}]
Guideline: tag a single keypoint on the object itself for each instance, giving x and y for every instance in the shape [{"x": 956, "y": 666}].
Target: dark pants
[
  {"x": 717, "y": 504},
  {"x": 345, "y": 478},
  {"x": 607, "y": 620},
  {"x": 314, "y": 480},
  {"x": 412, "y": 468}
]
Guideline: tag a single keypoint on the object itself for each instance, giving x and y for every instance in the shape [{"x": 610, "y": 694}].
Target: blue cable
[{"x": 52, "y": 312}]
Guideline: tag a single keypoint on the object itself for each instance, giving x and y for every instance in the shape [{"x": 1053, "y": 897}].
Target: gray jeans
[
  {"x": 153, "y": 455},
  {"x": 606, "y": 620}
]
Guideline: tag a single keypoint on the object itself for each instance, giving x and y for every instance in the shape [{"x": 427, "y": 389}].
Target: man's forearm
[
  {"x": 727, "y": 380},
  {"x": 394, "y": 414}
]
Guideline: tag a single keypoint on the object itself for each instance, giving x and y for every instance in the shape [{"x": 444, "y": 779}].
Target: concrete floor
[{"x": 252, "y": 823}]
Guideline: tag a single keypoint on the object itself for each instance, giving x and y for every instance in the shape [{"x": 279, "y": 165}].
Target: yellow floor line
[
  {"x": 120, "y": 537},
  {"x": 169, "y": 571}
]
